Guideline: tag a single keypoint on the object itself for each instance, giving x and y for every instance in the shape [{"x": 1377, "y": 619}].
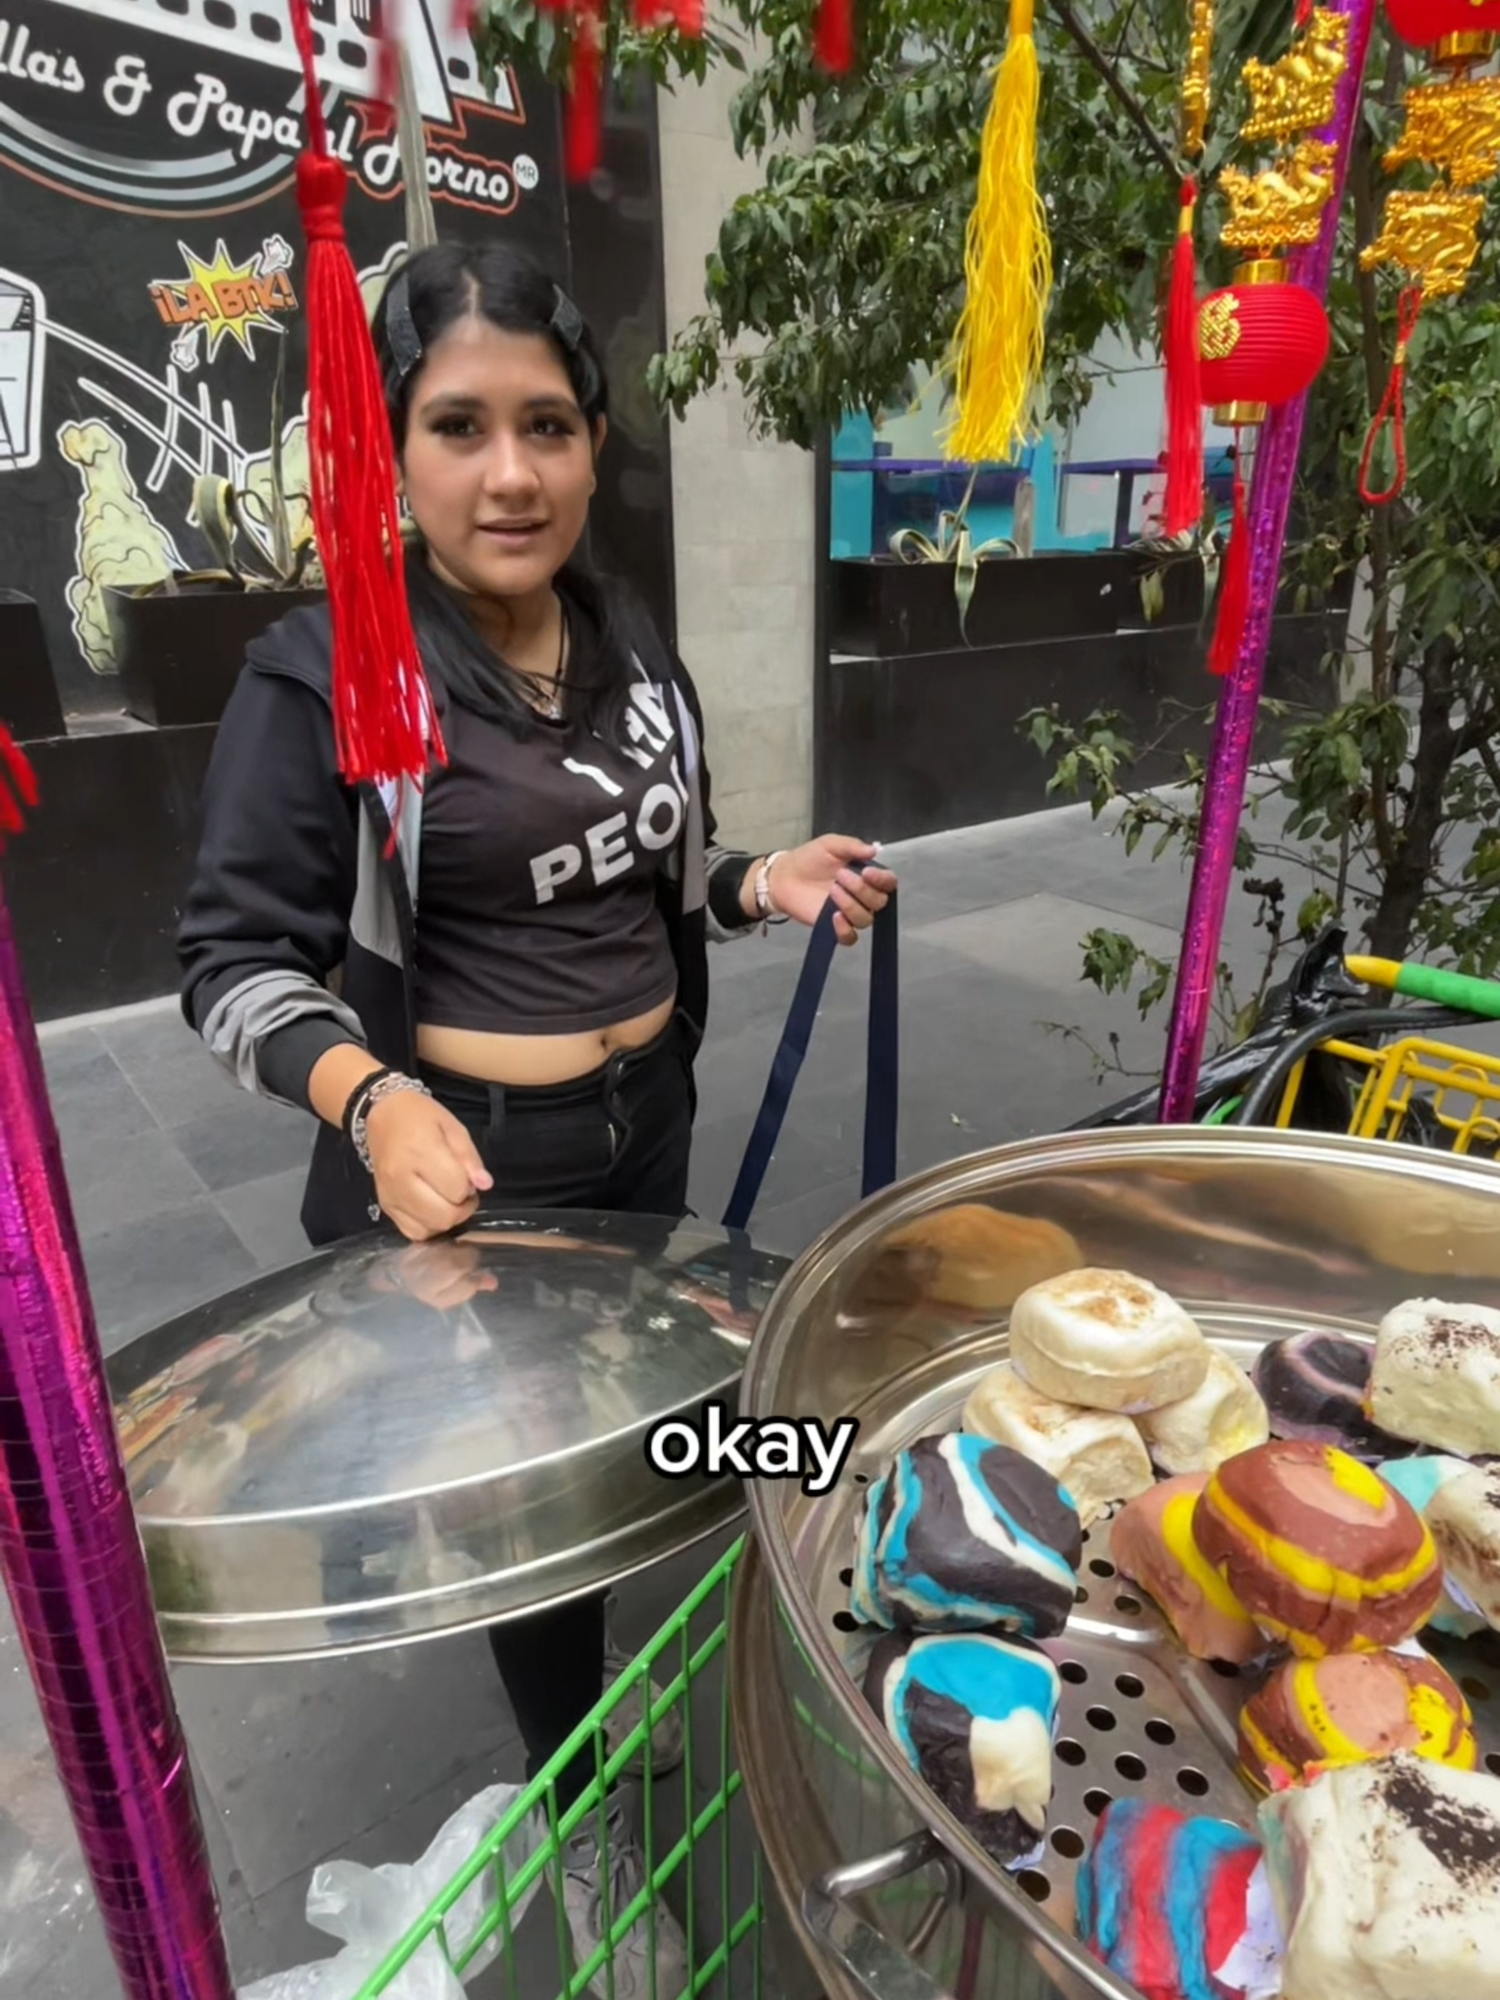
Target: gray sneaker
[
  {"x": 667, "y": 1731},
  {"x": 640, "y": 1966}
]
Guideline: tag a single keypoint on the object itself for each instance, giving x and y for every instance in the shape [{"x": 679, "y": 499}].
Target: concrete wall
[{"x": 743, "y": 519}]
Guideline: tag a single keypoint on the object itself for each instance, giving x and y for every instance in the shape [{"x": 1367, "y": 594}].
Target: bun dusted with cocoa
[
  {"x": 1105, "y": 1340},
  {"x": 1386, "y": 1881},
  {"x": 1313, "y": 1715},
  {"x": 1464, "y": 1516},
  {"x": 1321, "y": 1552},
  {"x": 1436, "y": 1376}
]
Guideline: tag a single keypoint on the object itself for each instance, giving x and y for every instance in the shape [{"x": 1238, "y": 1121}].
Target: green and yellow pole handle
[{"x": 1425, "y": 982}]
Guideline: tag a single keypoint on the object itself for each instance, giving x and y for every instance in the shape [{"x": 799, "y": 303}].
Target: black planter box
[
  {"x": 29, "y": 704},
  {"x": 180, "y": 656},
  {"x": 879, "y": 608},
  {"x": 1183, "y": 592},
  {"x": 910, "y": 747}
]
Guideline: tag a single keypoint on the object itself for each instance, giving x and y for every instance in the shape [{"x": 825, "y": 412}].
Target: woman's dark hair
[{"x": 432, "y": 291}]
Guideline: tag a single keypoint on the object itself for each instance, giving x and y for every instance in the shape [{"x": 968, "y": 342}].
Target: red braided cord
[
  {"x": 1392, "y": 406},
  {"x": 17, "y": 784},
  {"x": 302, "y": 34}
]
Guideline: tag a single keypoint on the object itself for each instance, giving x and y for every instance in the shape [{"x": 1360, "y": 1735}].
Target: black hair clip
[
  {"x": 567, "y": 323},
  {"x": 567, "y": 320},
  {"x": 401, "y": 328}
]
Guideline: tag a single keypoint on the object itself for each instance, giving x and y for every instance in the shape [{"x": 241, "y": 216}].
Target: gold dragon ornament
[{"x": 1431, "y": 233}]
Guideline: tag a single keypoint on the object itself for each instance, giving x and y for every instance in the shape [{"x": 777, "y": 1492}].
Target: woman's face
[{"x": 498, "y": 465}]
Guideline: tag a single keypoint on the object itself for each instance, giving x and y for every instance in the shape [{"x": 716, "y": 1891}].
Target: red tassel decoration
[
  {"x": 17, "y": 784},
  {"x": 1184, "y": 496},
  {"x": 1234, "y": 594},
  {"x": 384, "y": 721},
  {"x": 583, "y": 135},
  {"x": 1392, "y": 409},
  {"x": 833, "y": 37}
]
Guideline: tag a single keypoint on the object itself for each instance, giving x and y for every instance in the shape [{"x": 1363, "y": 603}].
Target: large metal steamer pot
[{"x": 890, "y": 1319}]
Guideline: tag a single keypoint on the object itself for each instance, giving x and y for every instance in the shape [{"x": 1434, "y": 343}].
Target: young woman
[{"x": 508, "y": 1002}]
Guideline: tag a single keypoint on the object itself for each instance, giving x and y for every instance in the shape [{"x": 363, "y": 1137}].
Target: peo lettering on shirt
[{"x": 613, "y": 846}]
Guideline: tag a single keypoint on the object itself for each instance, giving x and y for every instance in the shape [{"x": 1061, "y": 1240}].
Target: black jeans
[{"x": 618, "y": 1139}]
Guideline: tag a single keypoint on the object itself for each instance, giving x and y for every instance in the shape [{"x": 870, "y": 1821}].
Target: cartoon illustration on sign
[
  {"x": 220, "y": 298},
  {"x": 22, "y": 346},
  {"x": 119, "y": 541}
]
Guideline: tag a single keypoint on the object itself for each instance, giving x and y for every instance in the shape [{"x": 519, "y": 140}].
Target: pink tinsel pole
[
  {"x": 74, "y": 1567},
  {"x": 1234, "y": 726}
]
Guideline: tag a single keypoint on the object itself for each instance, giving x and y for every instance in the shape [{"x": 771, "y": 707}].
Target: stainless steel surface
[
  {"x": 795, "y": 1838},
  {"x": 386, "y": 1442},
  {"x": 1259, "y": 1234},
  {"x": 881, "y": 1970}
]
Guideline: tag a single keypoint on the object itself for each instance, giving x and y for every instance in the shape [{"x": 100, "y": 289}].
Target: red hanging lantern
[
  {"x": 1457, "y": 31},
  {"x": 1261, "y": 341}
]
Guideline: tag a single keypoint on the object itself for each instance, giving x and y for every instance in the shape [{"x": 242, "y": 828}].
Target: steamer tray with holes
[{"x": 891, "y": 1319}]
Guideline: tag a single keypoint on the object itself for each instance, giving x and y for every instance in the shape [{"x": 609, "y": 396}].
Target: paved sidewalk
[{"x": 185, "y": 1188}]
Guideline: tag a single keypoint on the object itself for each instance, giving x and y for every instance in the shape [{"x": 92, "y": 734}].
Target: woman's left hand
[{"x": 804, "y": 878}]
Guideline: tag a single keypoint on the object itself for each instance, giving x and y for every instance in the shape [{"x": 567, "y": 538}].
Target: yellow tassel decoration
[{"x": 996, "y": 361}]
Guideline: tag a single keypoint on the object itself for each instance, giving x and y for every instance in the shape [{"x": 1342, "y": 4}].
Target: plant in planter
[
  {"x": 935, "y": 595},
  {"x": 955, "y": 544},
  {"x": 180, "y": 641},
  {"x": 1176, "y": 575}
]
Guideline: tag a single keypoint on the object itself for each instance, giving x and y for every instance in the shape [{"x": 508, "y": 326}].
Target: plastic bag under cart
[{"x": 371, "y": 1909}]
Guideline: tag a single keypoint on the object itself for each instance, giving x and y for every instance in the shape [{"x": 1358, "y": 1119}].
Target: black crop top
[{"x": 536, "y": 894}]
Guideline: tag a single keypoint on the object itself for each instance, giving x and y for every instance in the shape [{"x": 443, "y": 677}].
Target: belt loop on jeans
[{"x": 496, "y": 1122}]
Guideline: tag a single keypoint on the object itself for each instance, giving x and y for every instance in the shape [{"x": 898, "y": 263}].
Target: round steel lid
[{"x": 389, "y": 1441}]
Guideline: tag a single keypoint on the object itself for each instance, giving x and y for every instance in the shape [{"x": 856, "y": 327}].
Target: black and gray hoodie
[{"x": 299, "y": 930}]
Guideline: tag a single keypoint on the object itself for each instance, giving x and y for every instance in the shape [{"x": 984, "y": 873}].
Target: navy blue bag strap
[{"x": 882, "y": 1077}]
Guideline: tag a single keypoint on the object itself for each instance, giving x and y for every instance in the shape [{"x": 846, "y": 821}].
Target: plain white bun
[
  {"x": 1107, "y": 1340},
  {"x": 1097, "y": 1455}
]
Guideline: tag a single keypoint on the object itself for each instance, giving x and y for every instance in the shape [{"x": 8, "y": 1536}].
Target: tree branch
[{"x": 1128, "y": 102}]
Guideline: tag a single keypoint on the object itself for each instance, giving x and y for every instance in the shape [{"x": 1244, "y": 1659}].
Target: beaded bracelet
[{"x": 384, "y": 1083}]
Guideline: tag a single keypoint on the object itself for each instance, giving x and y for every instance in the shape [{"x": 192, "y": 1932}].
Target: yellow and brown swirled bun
[{"x": 1319, "y": 1550}]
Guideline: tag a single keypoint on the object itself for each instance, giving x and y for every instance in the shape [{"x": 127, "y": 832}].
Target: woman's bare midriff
[{"x": 532, "y": 1060}]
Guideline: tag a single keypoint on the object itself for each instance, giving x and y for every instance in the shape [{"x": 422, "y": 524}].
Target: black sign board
[{"x": 151, "y": 254}]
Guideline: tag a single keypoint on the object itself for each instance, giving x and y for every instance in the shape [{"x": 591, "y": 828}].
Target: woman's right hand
[{"x": 428, "y": 1173}]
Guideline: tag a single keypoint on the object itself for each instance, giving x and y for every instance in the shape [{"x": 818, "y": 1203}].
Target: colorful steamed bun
[
  {"x": 1436, "y": 1376},
  {"x": 1221, "y": 1418},
  {"x": 1152, "y": 1543},
  {"x": 961, "y": 1534},
  {"x": 1105, "y": 1340},
  {"x": 1386, "y": 1881},
  {"x": 1348, "y": 1708},
  {"x": 973, "y": 1715},
  {"x": 1096, "y": 1455},
  {"x": 1464, "y": 1516},
  {"x": 1319, "y": 1550},
  {"x": 1163, "y": 1899},
  {"x": 1313, "y": 1386},
  {"x": 1420, "y": 1480}
]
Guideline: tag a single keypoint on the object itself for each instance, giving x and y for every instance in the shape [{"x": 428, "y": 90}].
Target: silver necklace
[{"x": 552, "y": 706}]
